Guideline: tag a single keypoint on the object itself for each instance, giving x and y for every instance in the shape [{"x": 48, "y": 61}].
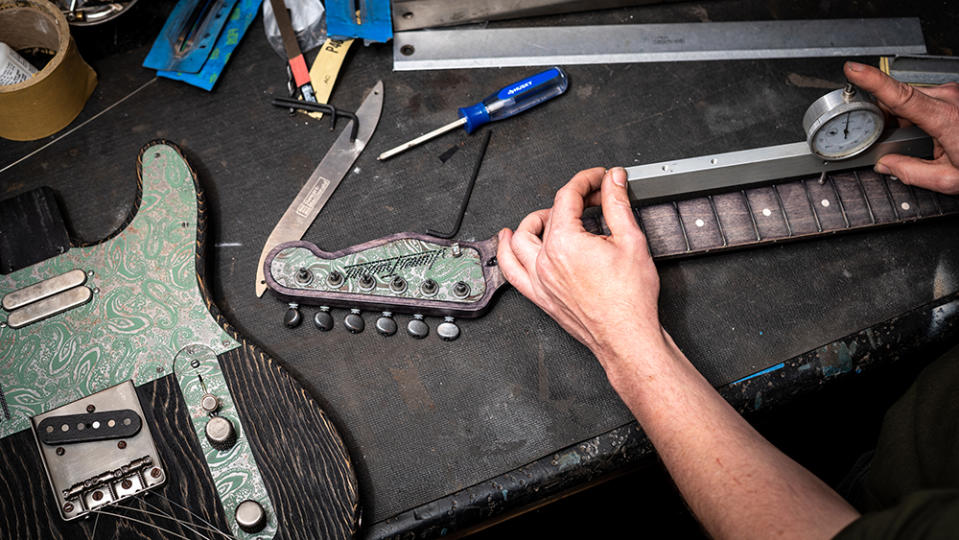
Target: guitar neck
[{"x": 788, "y": 210}]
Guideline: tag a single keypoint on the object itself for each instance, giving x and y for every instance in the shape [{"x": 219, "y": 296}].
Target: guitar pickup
[
  {"x": 46, "y": 298},
  {"x": 96, "y": 451},
  {"x": 97, "y": 426}
]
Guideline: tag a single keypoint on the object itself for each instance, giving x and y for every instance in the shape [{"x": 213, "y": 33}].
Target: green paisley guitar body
[{"x": 150, "y": 320}]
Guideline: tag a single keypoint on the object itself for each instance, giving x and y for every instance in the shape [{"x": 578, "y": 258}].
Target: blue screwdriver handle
[{"x": 516, "y": 98}]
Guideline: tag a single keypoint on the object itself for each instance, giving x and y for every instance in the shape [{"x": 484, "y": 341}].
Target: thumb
[
  {"x": 615, "y": 201},
  {"x": 936, "y": 175}
]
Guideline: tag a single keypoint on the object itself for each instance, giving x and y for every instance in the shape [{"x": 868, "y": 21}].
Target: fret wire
[
  {"x": 842, "y": 207},
  {"x": 682, "y": 226},
  {"x": 865, "y": 197},
  {"x": 915, "y": 198},
  {"x": 782, "y": 207},
  {"x": 892, "y": 202},
  {"x": 749, "y": 210},
  {"x": 812, "y": 207},
  {"x": 719, "y": 224}
]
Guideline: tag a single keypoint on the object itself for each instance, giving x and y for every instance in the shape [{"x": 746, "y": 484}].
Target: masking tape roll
[{"x": 47, "y": 102}]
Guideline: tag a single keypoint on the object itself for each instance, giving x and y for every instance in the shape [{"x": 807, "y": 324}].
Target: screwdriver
[{"x": 508, "y": 101}]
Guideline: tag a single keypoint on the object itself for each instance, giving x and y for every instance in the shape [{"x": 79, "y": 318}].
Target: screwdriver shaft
[{"x": 421, "y": 139}]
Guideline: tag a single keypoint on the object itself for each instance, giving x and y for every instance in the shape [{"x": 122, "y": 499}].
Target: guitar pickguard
[{"x": 145, "y": 306}]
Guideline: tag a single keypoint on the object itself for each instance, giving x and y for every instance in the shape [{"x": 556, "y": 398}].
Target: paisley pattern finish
[
  {"x": 146, "y": 304},
  {"x": 234, "y": 471},
  {"x": 413, "y": 260}
]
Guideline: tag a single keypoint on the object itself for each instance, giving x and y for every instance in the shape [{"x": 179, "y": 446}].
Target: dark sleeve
[{"x": 930, "y": 514}]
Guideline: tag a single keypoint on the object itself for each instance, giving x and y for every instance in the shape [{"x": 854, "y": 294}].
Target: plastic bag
[{"x": 308, "y": 22}]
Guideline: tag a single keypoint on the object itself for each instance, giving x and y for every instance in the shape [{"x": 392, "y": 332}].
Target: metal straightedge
[
  {"x": 611, "y": 44},
  {"x": 416, "y": 14},
  {"x": 705, "y": 174},
  {"x": 921, "y": 70}
]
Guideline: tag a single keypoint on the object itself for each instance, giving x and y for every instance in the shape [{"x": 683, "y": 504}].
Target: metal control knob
[
  {"x": 417, "y": 327},
  {"x": 323, "y": 320},
  {"x": 292, "y": 319},
  {"x": 447, "y": 330},
  {"x": 209, "y": 403},
  {"x": 250, "y": 516},
  {"x": 354, "y": 322},
  {"x": 221, "y": 433},
  {"x": 385, "y": 325}
]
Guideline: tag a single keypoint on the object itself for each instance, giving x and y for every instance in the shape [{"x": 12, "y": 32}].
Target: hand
[
  {"x": 602, "y": 289},
  {"x": 934, "y": 109}
]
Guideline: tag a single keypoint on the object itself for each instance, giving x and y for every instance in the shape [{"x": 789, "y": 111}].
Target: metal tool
[
  {"x": 188, "y": 35},
  {"x": 466, "y": 196},
  {"x": 297, "y": 64},
  {"x": 366, "y": 19},
  {"x": 506, "y": 102},
  {"x": 607, "y": 44},
  {"x": 704, "y": 174},
  {"x": 921, "y": 70},
  {"x": 325, "y": 178},
  {"x": 842, "y": 123}
]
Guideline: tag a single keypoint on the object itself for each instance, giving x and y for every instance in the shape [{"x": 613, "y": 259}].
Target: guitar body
[{"x": 149, "y": 319}]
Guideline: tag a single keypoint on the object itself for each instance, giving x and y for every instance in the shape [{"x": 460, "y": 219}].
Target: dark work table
[{"x": 446, "y": 436}]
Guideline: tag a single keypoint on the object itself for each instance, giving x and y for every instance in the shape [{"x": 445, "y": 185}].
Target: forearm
[{"x": 736, "y": 482}]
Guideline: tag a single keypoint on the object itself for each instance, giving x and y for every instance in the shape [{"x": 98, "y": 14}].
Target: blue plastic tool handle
[{"x": 516, "y": 98}]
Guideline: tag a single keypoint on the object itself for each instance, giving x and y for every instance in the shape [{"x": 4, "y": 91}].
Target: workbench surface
[{"x": 425, "y": 419}]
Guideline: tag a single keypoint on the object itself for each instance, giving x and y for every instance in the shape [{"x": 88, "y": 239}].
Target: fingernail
[
  {"x": 854, "y": 66},
  {"x": 881, "y": 169},
  {"x": 619, "y": 179}
]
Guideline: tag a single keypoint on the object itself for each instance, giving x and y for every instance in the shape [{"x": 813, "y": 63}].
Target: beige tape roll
[{"x": 47, "y": 102}]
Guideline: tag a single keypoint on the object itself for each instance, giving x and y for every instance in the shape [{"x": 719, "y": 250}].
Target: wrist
[{"x": 644, "y": 351}]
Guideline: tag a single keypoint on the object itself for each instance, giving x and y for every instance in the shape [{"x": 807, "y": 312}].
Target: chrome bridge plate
[{"x": 87, "y": 476}]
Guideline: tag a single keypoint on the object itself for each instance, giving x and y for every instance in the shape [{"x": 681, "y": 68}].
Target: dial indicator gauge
[{"x": 842, "y": 124}]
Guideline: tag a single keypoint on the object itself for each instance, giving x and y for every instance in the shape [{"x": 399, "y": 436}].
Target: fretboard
[{"x": 790, "y": 210}]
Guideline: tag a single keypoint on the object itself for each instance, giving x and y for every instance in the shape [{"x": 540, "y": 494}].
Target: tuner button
[
  {"x": 323, "y": 320},
  {"x": 221, "y": 433},
  {"x": 209, "y": 403},
  {"x": 354, "y": 322},
  {"x": 417, "y": 327},
  {"x": 447, "y": 330},
  {"x": 292, "y": 319},
  {"x": 250, "y": 516},
  {"x": 385, "y": 325}
]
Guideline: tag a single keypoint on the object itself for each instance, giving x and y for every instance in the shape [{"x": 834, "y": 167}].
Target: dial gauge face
[{"x": 847, "y": 134}]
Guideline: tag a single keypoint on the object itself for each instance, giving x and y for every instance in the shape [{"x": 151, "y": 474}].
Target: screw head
[
  {"x": 91, "y": 408},
  {"x": 60, "y": 451},
  {"x": 156, "y": 472},
  {"x": 68, "y": 507},
  {"x": 126, "y": 483},
  {"x": 121, "y": 445},
  {"x": 97, "y": 495}
]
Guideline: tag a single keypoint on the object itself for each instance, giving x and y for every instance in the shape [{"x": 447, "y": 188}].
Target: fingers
[
  {"x": 937, "y": 175},
  {"x": 526, "y": 243},
  {"x": 512, "y": 269},
  {"x": 616, "y": 208},
  {"x": 570, "y": 200},
  {"x": 927, "y": 112}
]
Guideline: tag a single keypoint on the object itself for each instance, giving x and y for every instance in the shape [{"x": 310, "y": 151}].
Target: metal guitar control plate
[
  {"x": 86, "y": 476},
  {"x": 222, "y": 437}
]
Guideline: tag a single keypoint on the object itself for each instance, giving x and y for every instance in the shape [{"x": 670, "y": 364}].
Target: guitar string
[
  {"x": 182, "y": 523},
  {"x": 96, "y": 522},
  {"x": 208, "y": 526},
  {"x": 191, "y": 512},
  {"x": 140, "y": 521}
]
